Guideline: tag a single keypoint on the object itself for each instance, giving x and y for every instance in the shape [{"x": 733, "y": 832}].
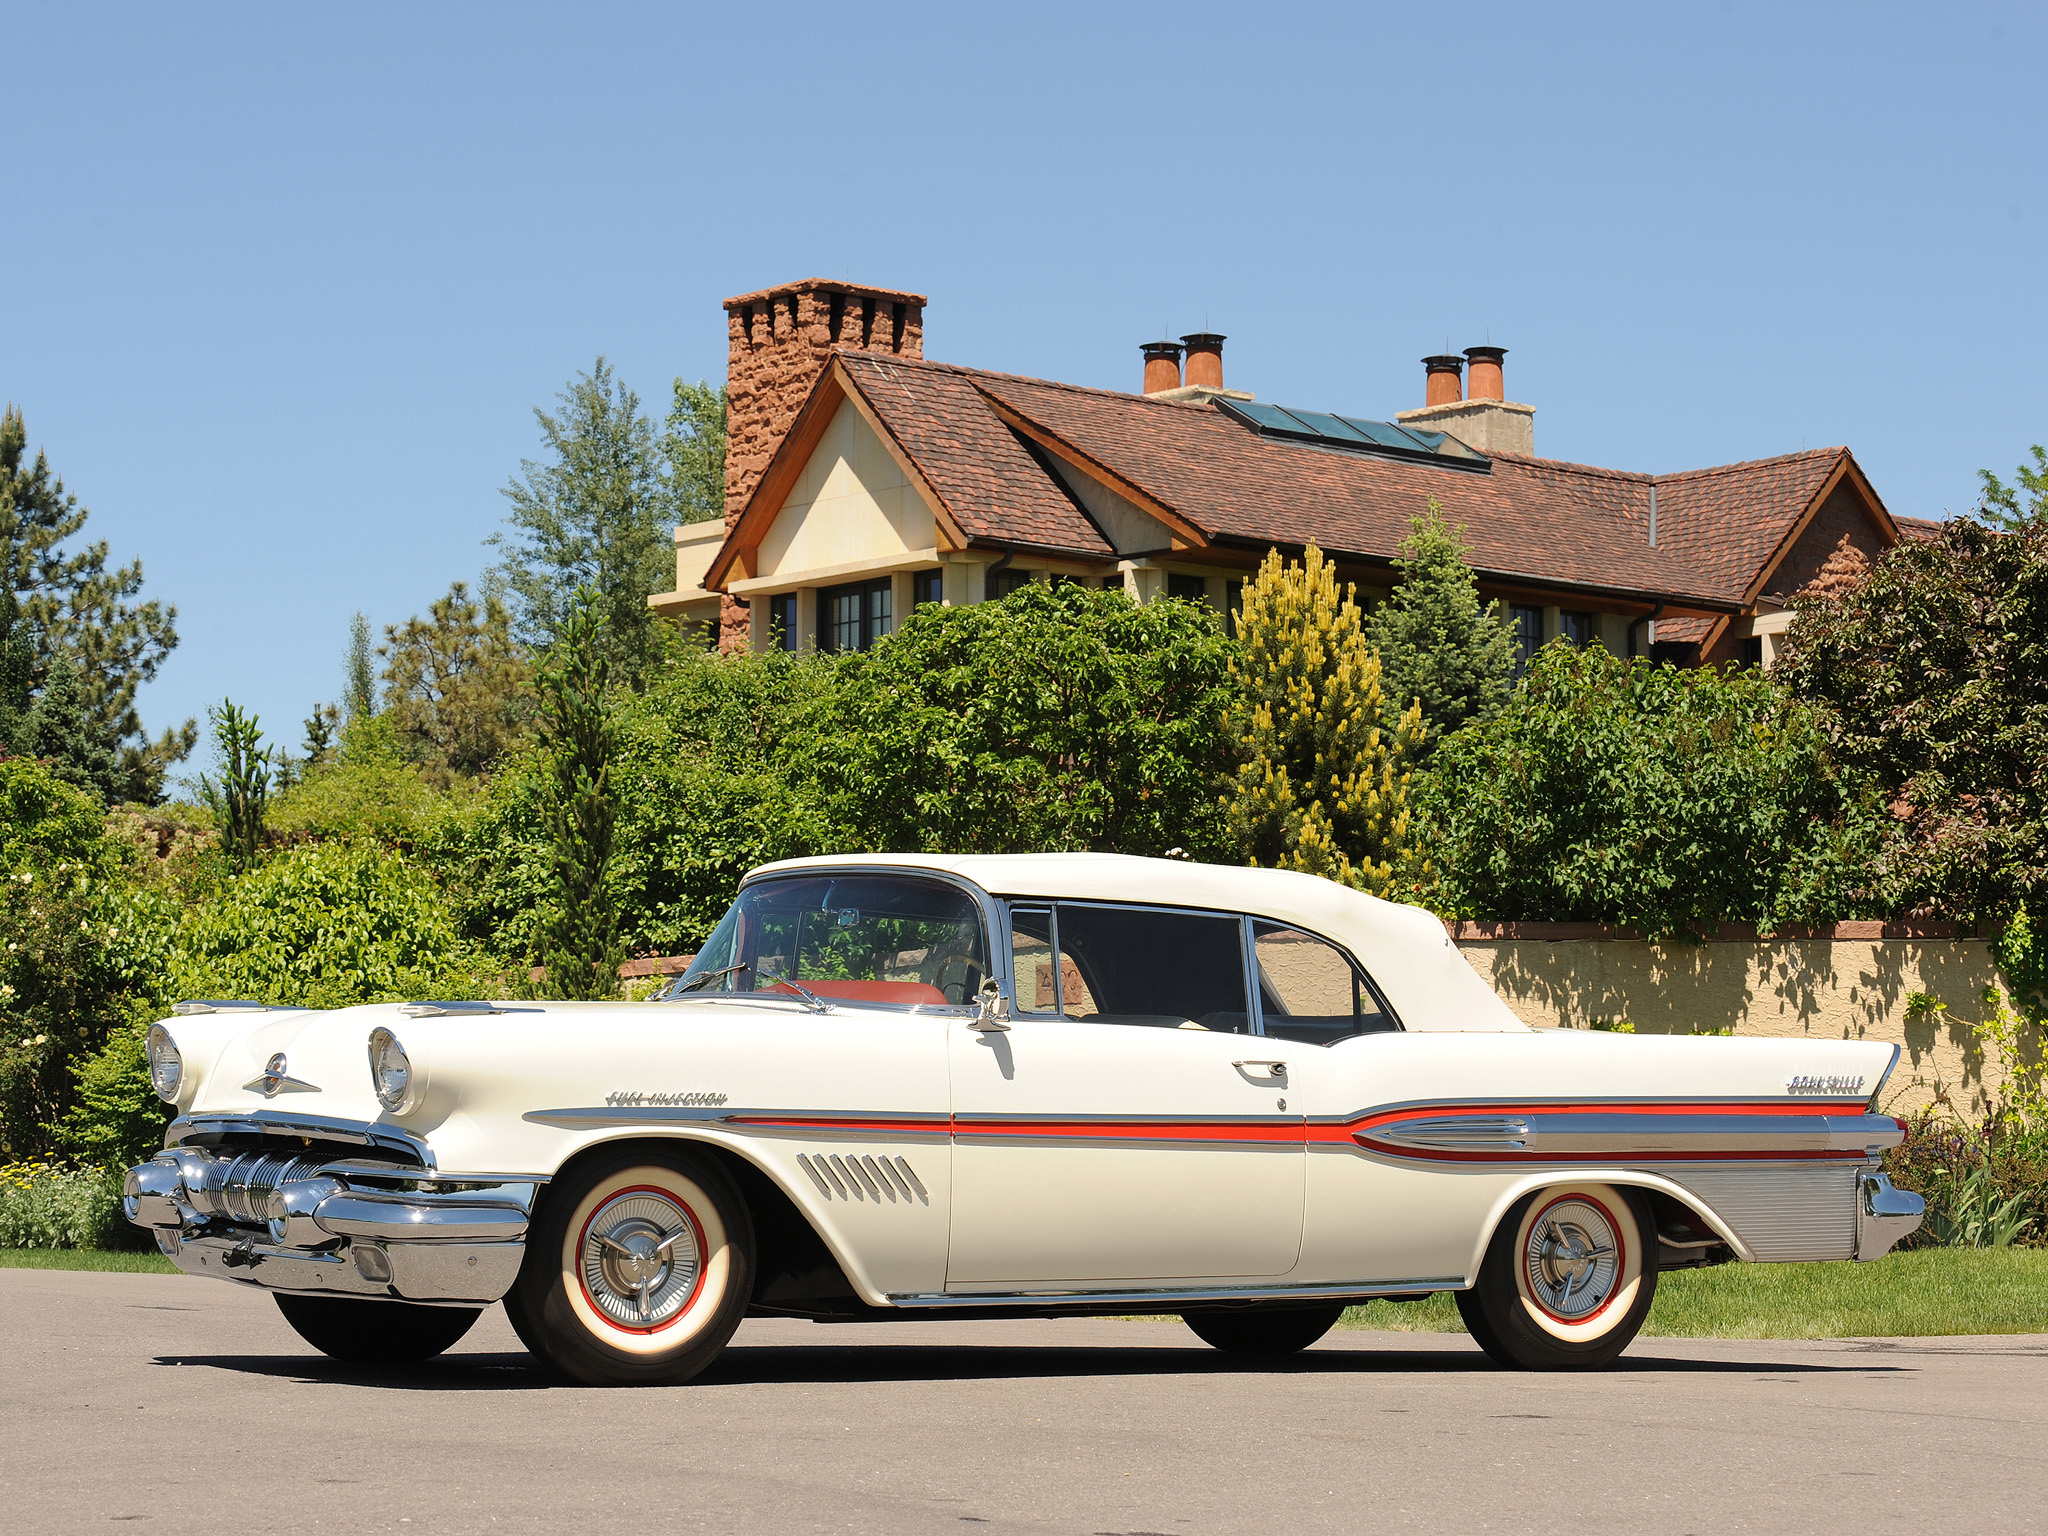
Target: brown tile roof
[
  {"x": 1540, "y": 521},
  {"x": 1920, "y": 527},
  {"x": 989, "y": 480},
  {"x": 1725, "y": 522}
]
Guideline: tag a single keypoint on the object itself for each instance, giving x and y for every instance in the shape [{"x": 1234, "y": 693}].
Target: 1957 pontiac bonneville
[{"x": 913, "y": 1086}]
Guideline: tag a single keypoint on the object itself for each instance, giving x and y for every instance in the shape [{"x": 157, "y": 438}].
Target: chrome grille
[{"x": 237, "y": 1187}]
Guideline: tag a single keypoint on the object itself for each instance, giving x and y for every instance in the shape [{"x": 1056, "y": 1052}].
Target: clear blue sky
[{"x": 283, "y": 283}]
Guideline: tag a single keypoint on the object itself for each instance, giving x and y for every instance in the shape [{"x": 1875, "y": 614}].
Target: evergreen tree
[
  {"x": 455, "y": 685},
  {"x": 693, "y": 443},
  {"x": 594, "y": 515},
  {"x": 67, "y": 603},
  {"x": 580, "y": 935},
  {"x": 238, "y": 797},
  {"x": 1438, "y": 645},
  {"x": 359, "y": 672},
  {"x": 1322, "y": 785}
]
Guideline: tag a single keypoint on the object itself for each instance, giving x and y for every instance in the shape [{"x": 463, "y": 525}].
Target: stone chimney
[
  {"x": 1485, "y": 419},
  {"x": 1162, "y": 366},
  {"x": 778, "y": 342}
]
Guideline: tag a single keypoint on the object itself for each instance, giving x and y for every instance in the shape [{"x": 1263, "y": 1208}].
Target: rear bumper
[
  {"x": 290, "y": 1222},
  {"x": 1884, "y": 1215}
]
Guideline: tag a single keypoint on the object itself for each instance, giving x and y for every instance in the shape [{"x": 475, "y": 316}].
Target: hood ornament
[{"x": 275, "y": 1080}]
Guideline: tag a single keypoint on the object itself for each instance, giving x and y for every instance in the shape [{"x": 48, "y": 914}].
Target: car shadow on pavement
[{"x": 781, "y": 1364}]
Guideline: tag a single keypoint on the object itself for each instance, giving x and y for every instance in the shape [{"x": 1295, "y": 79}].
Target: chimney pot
[
  {"x": 1162, "y": 365},
  {"x": 1446, "y": 380},
  {"x": 1486, "y": 379},
  {"x": 1205, "y": 359}
]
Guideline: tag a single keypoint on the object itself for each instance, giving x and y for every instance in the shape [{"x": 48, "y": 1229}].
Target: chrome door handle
[{"x": 1276, "y": 1068}]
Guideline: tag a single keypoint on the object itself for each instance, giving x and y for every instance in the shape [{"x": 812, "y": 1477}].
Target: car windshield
[{"x": 891, "y": 941}]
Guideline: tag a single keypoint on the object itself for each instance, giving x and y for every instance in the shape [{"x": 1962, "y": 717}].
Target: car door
[{"x": 1129, "y": 1126}]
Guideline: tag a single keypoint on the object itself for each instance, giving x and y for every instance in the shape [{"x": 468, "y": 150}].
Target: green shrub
[
  {"x": 1986, "y": 1185},
  {"x": 82, "y": 951},
  {"x": 45, "y": 1205},
  {"x": 1668, "y": 800},
  {"x": 327, "y": 925}
]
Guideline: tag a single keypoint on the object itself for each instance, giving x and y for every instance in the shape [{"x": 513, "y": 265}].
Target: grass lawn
[
  {"x": 86, "y": 1258},
  {"x": 1928, "y": 1291}
]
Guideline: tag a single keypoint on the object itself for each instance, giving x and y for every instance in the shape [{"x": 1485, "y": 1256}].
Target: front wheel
[
  {"x": 637, "y": 1271},
  {"x": 1567, "y": 1280},
  {"x": 375, "y": 1332},
  {"x": 1264, "y": 1330}
]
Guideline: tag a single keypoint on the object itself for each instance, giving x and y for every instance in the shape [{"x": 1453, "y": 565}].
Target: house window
[
  {"x": 1233, "y": 604},
  {"x": 852, "y": 618},
  {"x": 1527, "y": 625},
  {"x": 1002, "y": 583},
  {"x": 782, "y": 621},
  {"x": 927, "y": 587},
  {"x": 1189, "y": 589},
  {"x": 1578, "y": 629},
  {"x": 1753, "y": 652}
]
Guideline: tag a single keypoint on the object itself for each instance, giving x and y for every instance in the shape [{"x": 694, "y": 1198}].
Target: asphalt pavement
[{"x": 164, "y": 1403}]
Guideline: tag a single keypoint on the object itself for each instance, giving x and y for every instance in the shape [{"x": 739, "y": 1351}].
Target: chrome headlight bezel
[
  {"x": 166, "y": 1063},
  {"x": 391, "y": 1074}
]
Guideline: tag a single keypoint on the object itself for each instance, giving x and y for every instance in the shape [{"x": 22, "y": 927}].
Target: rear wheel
[
  {"x": 1266, "y": 1330},
  {"x": 375, "y": 1332},
  {"x": 637, "y": 1271},
  {"x": 1567, "y": 1280}
]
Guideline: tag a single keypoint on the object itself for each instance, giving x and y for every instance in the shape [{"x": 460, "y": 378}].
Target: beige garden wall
[{"x": 1835, "y": 989}]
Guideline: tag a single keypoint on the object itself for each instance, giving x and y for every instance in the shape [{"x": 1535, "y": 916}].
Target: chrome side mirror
[{"x": 989, "y": 1021}]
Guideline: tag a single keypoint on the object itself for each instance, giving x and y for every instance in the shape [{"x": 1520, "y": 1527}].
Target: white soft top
[{"x": 1405, "y": 948}]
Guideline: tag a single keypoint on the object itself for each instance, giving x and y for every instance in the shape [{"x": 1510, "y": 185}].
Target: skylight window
[{"x": 1381, "y": 439}]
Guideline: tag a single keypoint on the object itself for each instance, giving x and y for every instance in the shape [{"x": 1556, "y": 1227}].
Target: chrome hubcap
[
  {"x": 1573, "y": 1260},
  {"x": 640, "y": 1259}
]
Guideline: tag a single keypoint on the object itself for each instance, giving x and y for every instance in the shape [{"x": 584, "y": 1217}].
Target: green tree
[
  {"x": 358, "y": 672},
  {"x": 580, "y": 937},
  {"x": 1931, "y": 675},
  {"x": 1437, "y": 643},
  {"x": 1666, "y": 799},
  {"x": 593, "y": 515},
  {"x": 1058, "y": 718},
  {"x": 455, "y": 685},
  {"x": 693, "y": 443},
  {"x": 238, "y": 797},
  {"x": 75, "y": 608},
  {"x": 1322, "y": 785},
  {"x": 2000, "y": 505}
]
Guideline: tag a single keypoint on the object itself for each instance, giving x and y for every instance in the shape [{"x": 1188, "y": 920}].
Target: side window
[
  {"x": 1031, "y": 960},
  {"x": 1171, "y": 970},
  {"x": 1309, "y": 991}
]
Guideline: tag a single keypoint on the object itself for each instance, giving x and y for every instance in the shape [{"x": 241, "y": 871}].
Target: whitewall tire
[
  {"x": 638, "y": 1269},
  {"x": 1567, "y": 1280}
]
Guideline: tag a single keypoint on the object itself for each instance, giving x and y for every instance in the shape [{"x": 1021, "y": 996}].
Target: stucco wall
[
  {"x": 1818, "y": 989},
  {"x": 852, "y": 503}
]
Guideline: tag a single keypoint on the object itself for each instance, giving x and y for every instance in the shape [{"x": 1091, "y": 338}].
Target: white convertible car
[{"x": 912, "y": 1086}]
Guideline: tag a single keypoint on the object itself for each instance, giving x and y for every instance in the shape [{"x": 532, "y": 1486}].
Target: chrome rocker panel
[{"x": 354, "y": 1227}]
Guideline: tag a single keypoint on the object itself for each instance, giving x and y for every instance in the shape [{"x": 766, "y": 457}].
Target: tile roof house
[{"x": 862, "y": 479}]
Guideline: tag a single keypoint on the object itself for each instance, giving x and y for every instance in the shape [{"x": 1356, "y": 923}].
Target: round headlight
[
  {"x": 166, "y": 1066},
  {"x": 390, "y": 1070}
]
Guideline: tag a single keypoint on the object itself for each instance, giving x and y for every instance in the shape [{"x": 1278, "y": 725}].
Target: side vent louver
[{"x": 877, "y": 1179}]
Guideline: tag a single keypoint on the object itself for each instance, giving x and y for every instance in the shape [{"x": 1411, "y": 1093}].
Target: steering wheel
[{"x": 954, "y": 974}]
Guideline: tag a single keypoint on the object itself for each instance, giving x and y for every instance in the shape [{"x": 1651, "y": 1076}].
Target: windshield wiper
[
  {"x": 692, "y": 983},
  {"x": 816, "y": 1002}
]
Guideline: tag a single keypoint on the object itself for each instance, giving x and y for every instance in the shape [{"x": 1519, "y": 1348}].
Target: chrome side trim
[
  {"x": 835, "y": 1125},
  {"x": 1164, "y": 1296},
  {"x": 1623, "y": 1134},
  {"x": 1884, "y": 1215},
  {"x": 314, "y": 1128}
]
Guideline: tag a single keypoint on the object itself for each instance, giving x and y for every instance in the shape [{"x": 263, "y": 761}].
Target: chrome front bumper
[{"x": 351, "y": 1228}]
